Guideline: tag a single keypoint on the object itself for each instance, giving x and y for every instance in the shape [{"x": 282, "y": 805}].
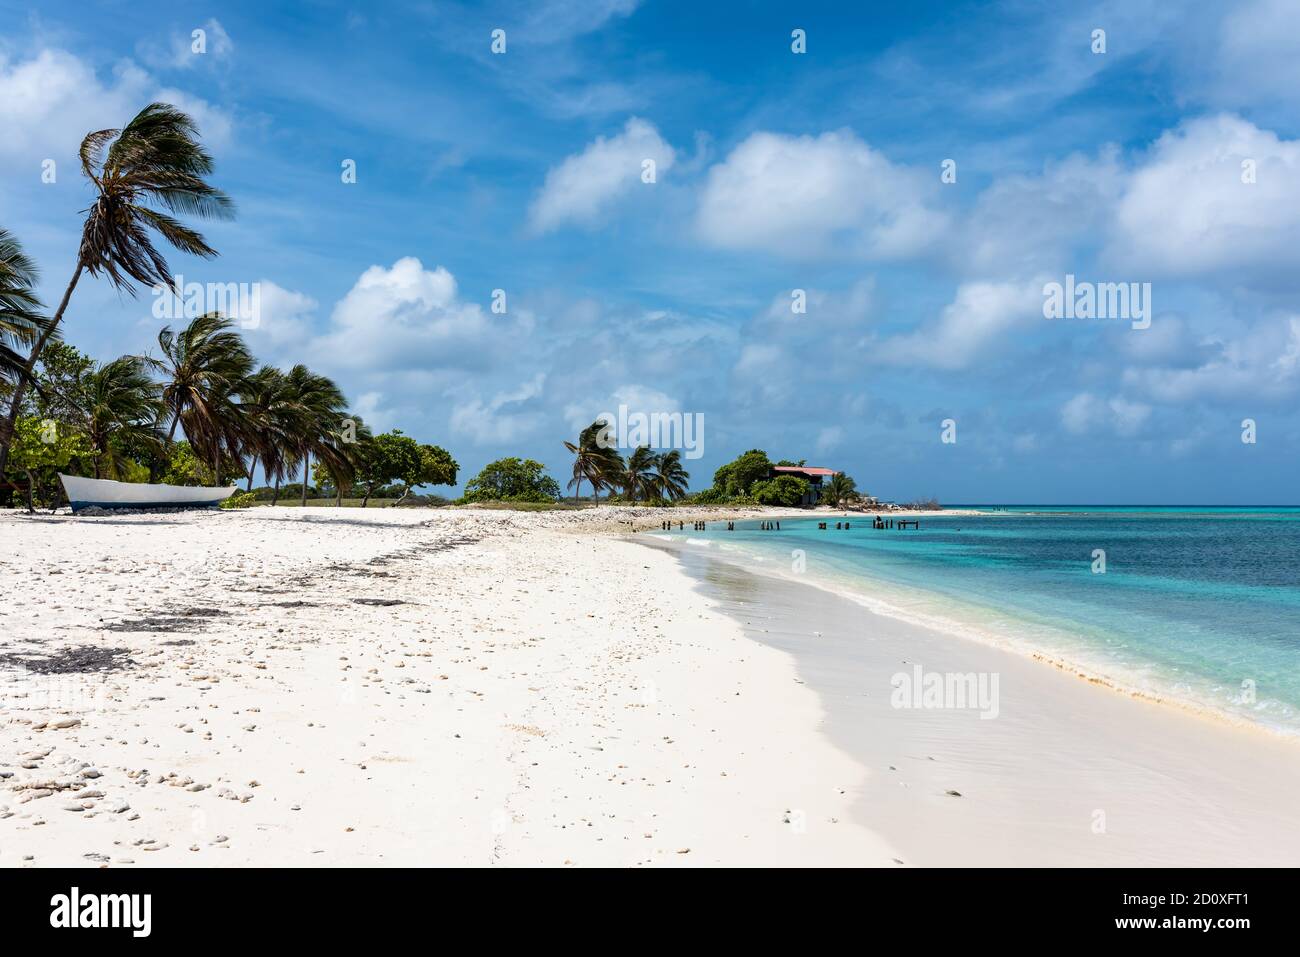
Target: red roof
[{"x": 805, "y": 469}]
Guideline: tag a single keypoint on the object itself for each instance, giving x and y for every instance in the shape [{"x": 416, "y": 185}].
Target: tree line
[{"x": 120, "y": 419}]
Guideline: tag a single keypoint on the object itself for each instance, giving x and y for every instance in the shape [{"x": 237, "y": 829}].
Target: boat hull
[{"x": 86, "y": 493}]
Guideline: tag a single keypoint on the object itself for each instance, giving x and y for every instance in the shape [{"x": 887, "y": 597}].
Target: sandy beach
[
  {"x": 321, "y": 687},
  {"x": 324, "y": 687}
]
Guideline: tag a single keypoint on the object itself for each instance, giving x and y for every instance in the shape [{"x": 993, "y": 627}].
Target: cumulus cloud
[
  {"x": 51, "y": 100},
  {"x": 586, "y": 184},
  {"x": 806, "y": 196},
  {"x": 284, "y": 318},
  {"x": 406, "y": 317},
  {"x": 1186, "y": 211},
  {"x": 974, "y": 323}
]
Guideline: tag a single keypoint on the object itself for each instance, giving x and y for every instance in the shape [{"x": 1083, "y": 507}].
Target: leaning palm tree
[
  {"x": 319, "y": 408},
  {"x": 637, "y": 477},
  {"x": 152, "y": 167},
  {"x": 266, "y": 421},
  {"x": 593, "y": 460},
  {"x": 669, "y": 477},
  {"x": 20, "y": 320},
  {"x": 121, "y": 410},
  {"x": 205, "y": 366}
]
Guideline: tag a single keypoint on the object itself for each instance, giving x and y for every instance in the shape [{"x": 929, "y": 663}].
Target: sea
[{"x": 1199, "y": 605}]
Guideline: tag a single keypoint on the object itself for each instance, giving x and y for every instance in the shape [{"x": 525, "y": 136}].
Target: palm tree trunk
[
  {"x": 31, "y": 509},
  {"x": 252, "y": 467},
  {"x": 20, "y": 387},
  {"x": 577, "y": 491},
  {"x": 365, "y": 498},
  {"x": 338, "y": 502},
  {"x": 171, "y": 433},
  {"x": 306, "y": 460},
  {"x": 275, "y": 496}
]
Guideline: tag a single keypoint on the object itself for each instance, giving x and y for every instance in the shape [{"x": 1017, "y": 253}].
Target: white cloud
[
  {"x": 406, "y": 317},
  {"x": 803, "y": 196},
  {"x": 586, "y": 184},
  {"x": 51, "y": 100},
  {"x": 1021, "y": 225},
  {"x": 969, "y": 326},
  {"x": 505, "y": 417},
  {"x": 1186, "y": 211},
  {"x": 1263, "y": 363},
  {"x": 1259, "y": 52},
  {"x": 283, "y": 320},
  {"x": 1087, "y": 412}
]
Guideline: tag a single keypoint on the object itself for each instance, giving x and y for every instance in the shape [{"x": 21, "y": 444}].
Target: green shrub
[
  {"x": 784, "y": 490},
  {"x": 240, "y": 500}
]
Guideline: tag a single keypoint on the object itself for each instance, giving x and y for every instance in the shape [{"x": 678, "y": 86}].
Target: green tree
[
  {"x": 784, "y": 490},
  {"x": 121, "y": 411},
  {"x": 204, "y": 366},
  {"x": 637, "y": 477},
  {"x": 267, "y": 424},
  {"x": 61, "y": 378},
  {"x": 318, "y": 408},
  {"x": 436, "y": 467},
  {"x": 21, "y": 322},
  {"x": 384, "y": 459},
  {"x": 670, "y": 478},
  {"x": 512, "y": 480},
  {"x": 594, "y": 459},
  {"x": 737, "y": 478},
  {"x": 152, "y": 167},
  {"x": 185, "y": 467},
  {"x": 40, "y": 448},
  {"x": 839, "y": 490}
]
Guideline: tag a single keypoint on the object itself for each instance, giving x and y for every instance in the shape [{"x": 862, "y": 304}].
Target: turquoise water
[{"x": 1200, "y": 604}]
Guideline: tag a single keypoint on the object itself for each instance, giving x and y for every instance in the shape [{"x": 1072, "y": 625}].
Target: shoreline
[
  {"x": 945, "y": 785},
  {"x": 1092, "y": 673}
]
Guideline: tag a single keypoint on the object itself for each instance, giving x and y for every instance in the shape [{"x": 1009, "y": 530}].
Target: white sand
[
  {"x": 547, "y": 694},
  {"x": 540, "y": 697}
]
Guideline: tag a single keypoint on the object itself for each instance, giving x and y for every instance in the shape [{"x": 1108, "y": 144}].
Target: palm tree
[
  {"x": 669, "y": 478},
  {"x": 637, "y": 477},
  {"x": 350, "y": 444},
  {"x": 319, "y": 408},
  {"x": 593, "y": 460},
  {"x": 122, "y": 410},
  {"x": 156, "y": 160},
  {"x": 20, "y": 321},
  {"x": 838, "y": 490},
  {"x": 266, "y": 418},
  {"x": 206, "y": 365}
]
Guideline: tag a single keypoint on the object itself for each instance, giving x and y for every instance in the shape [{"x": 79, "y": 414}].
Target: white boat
[{"x": 103, "y": 493}]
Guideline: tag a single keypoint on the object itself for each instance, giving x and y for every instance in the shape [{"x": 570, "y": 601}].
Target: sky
[{"x": 656, "y": 186}]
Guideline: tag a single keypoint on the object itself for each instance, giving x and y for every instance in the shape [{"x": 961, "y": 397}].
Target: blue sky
[{"x": 775, "y": 171}]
